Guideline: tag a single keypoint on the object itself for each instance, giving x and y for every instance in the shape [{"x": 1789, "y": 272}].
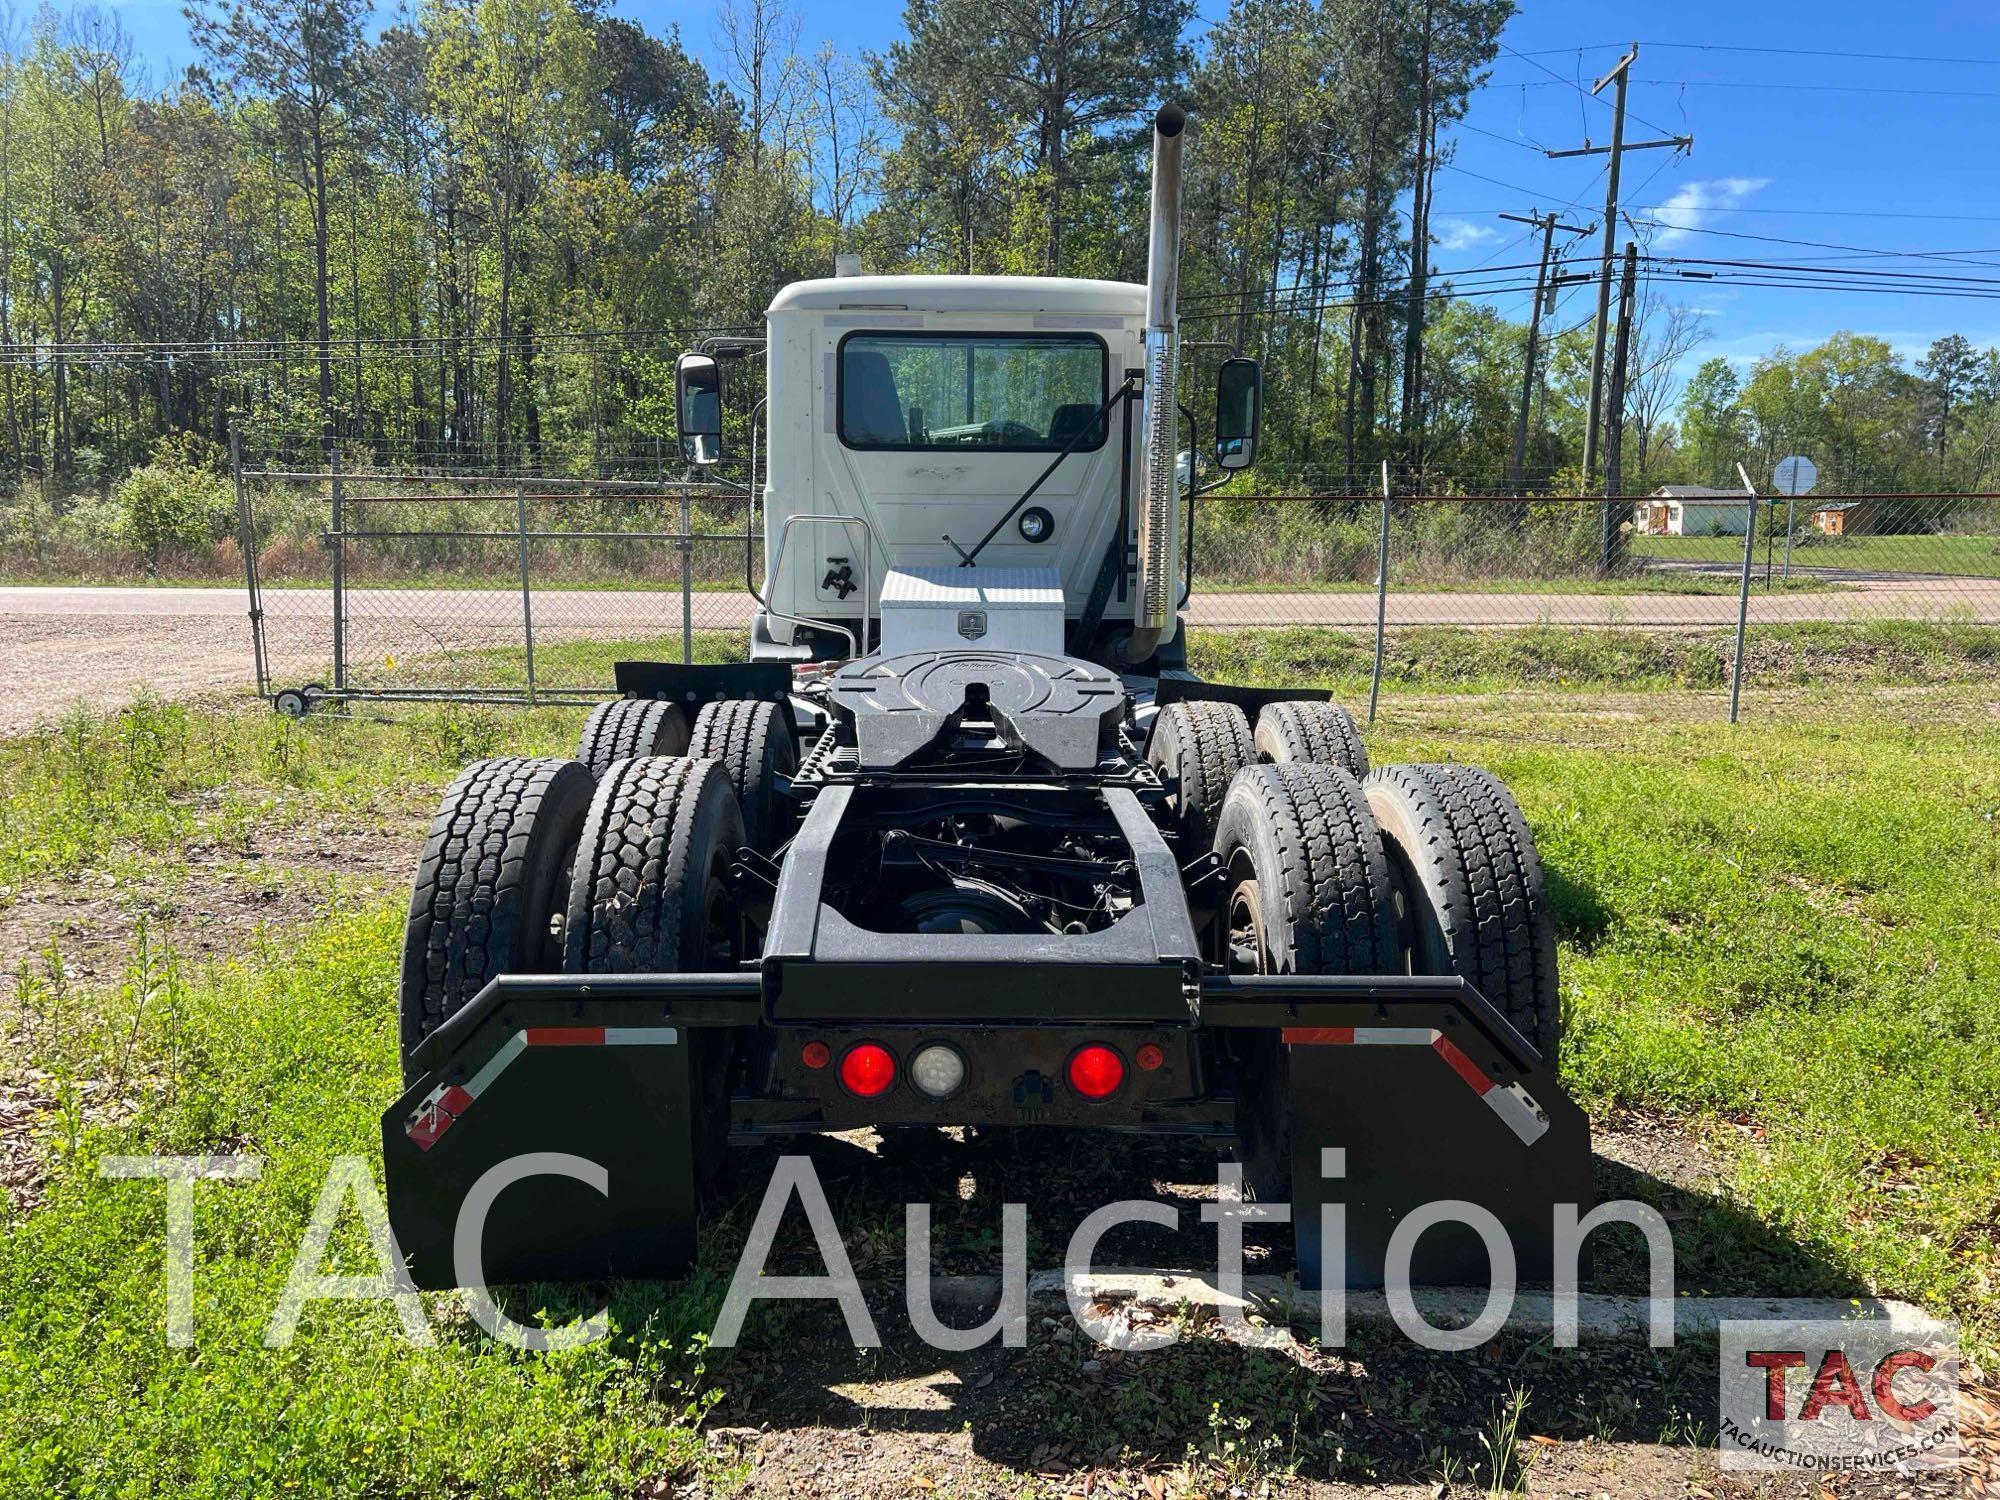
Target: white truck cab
[{"x": 974, "y": 460}]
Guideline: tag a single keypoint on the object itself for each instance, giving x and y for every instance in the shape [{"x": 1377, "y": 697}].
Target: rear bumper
[{"x": 1421, "y": 1088}]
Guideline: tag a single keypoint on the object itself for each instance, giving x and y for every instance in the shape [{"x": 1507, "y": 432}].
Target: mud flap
[
  {"x": 1420, "y": 1109},
  {"x": 526, "y": 1123}
]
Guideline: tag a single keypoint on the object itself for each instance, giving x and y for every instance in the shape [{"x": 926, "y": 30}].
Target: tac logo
[{"x": 1860, "y": 1395}]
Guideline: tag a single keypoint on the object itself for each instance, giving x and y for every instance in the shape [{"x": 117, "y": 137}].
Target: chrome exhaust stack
[{"x": 1158, "y": 595}]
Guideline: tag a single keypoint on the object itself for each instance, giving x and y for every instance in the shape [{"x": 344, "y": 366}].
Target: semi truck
[{"x": 965, "y": 842}]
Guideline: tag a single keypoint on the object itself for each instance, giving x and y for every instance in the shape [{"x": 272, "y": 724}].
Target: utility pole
[
  {"x": 1420, "y": 255},
  {"x": 1612, "y": 513},
  {"x": 1619, "y": 75},
  {"x": 1544, "y": 294}
]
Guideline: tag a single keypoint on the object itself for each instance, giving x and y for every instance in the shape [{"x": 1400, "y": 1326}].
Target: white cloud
[
  {"x": 1682, "y": 213},
  {"x": 1463, "y": 234}
]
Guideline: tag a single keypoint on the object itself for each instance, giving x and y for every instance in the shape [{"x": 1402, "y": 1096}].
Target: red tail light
[
  {"x": 867, "y": 1070},
  {"x": 816, "y": 1055},
  {"x": 1096, "y": 1071}
]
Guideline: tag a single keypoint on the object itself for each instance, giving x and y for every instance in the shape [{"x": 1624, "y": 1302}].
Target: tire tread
[
  {"x": 629, "y": 727},
  {"x": 1477, "y": 856},
  {"x": 467, "y": 921},
  {"x": 1319, "y": 733},
  {"x": 1204, "y": 744}
]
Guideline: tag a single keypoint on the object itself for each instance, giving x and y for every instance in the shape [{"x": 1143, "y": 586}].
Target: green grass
[
  {"x": 1408, "y": 581},
  {"x": 1794, "y": 926},
  {"x": 1434, "y": 658},
  {"x": 1784, "y": 938},
  {"x": 129, "y": 793},
  {"x": 285, "y": 1056},
  {"x": 1966, "y": 556}
]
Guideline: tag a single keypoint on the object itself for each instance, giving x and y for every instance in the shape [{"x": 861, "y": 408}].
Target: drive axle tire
[
  {"x": 629, "y": 727},
  {"x": 1322, "y": 734},
  {"x": 1475, "y": 900},
  {"x": 494, "y": 873},
  {"x": 650, "y": 895},
  {"x": 1309, "y": 893},
  {"x": 753, "y": 740},
  {"x": 1200, "y": 746}
]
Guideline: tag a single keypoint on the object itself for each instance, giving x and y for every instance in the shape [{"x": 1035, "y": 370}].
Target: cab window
[{"x": 1011, "y": 393}]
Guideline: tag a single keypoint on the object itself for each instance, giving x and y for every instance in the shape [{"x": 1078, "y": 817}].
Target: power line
[
  {"x": 1511, "y": 140},
  {"x": 1947, "y": 257},
  {"x": 1828, "y": 213},
  {"x": 1984, "y": 62},
  {"x": 1237, "y": 293},
  {"x": 1572, "y": 83},
  {"x": 1514, "y": 187},
  {"x": 1981, "y": 62},
  {"x": 1739, "y": 83},
  {"x": 1853, "y": 272}
]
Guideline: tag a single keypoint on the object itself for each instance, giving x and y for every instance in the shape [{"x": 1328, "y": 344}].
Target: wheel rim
[
  {"x": 1246, "y": 951},
  {"x": 721, "y": 940}
]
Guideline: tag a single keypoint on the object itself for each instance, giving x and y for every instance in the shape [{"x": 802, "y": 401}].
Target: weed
[{"x": 1506, "y": 1462}]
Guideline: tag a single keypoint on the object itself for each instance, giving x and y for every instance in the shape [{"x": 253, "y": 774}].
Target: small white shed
[{"x": 1693, "y": 510}]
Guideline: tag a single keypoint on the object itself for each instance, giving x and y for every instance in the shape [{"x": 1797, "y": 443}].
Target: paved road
[
  {"x": 607, "y": 613},
  {"x": 105, "y": 645}
]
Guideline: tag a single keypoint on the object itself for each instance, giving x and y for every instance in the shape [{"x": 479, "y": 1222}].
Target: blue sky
[{"x": 1849, "y": 153}]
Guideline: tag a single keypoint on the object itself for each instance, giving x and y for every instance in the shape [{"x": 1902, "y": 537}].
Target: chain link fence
[
  {"x": 1656, "y": 561},
  {"x": 525, "y": 588}
]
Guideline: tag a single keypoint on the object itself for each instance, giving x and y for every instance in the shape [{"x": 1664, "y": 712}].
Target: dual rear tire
[
  {"x": 1421, "y": 869},
  {"x": 1198, "y": 746},
  {"x": 612, "y": 865}
]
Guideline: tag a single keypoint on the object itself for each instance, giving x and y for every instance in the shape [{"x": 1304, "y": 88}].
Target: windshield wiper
[{"x": 1095, "y": 424}]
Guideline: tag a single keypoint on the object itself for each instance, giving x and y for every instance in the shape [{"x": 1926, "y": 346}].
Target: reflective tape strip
[
  {"x": 444, "y": 1104},
  {"x": 601, "y": 1036},
  {"x": 1515, "y": 1106},
  {"x": 1462, "y": 1065},
  {"x": 1319, "y": 1036},
  {"x": 510, "y": 1049},
  {"x": 434, "y": 1116},
  {"x": 1360, "y": 1036},
  {"x": 1394, "y": 1036}
]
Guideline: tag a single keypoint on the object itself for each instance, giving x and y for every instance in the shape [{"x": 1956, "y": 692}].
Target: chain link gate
[{"x": 496, "y": 588}]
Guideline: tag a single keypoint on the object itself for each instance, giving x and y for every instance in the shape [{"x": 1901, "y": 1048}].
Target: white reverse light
[{"x": 937, "y": 1070}]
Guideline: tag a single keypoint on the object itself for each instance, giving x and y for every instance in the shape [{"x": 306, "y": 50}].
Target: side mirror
[
  {"x": 698, "y": 407},
  {"x": 1239, "y": 409}
]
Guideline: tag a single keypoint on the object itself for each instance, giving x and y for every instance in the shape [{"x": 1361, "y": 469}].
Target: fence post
[
  {"x": 687, "y": 578},
  {"x": 527, "y": 596},
  {"x": 339, "y": 537},
  {"x": 1381, "y": 597},
  {"x": 1743, "y": 593},
  {"x": 246, "y": 538}
]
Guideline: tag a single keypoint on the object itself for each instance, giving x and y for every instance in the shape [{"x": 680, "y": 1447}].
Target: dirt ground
[
  {"x": 808, "y": 1415},
  {"x": 278, "y": 877}
]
